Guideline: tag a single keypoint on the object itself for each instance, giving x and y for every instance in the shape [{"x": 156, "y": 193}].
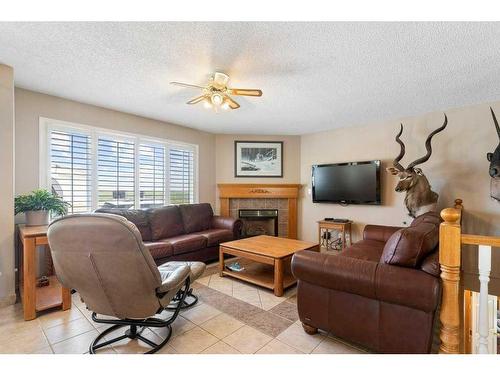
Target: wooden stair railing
[
  {"x": 449, "y": 259},
  {"x": 452, "y": 314}
]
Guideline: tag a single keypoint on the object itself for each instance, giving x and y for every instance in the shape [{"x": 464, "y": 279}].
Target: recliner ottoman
[{"x": 196, "y": 270}]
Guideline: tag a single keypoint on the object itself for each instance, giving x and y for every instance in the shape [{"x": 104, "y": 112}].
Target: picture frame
[{"x": 258, "y": 159}]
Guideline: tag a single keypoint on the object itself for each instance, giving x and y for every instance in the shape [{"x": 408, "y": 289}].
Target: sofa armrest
[
  {"x": 392, "y": 284},
  {"x": 408, "y": 287},
  {"x": 336, "y": 272},
  {"x": 379, "y": 232},
  {"x": 225, "y": 222}
]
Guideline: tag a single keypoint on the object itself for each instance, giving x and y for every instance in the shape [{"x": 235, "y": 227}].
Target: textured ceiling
[{"x": 315, "y": 76}]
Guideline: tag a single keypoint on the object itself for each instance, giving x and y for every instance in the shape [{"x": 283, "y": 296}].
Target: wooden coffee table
[{"x": 266, "y": 260}]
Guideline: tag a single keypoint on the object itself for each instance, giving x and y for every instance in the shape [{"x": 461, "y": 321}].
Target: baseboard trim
[{"x": 7, "y": 301}]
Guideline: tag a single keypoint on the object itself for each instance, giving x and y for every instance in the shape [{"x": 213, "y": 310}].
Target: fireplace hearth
[{"x": 257, "y": 222}]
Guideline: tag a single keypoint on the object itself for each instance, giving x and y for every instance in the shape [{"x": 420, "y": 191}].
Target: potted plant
[{"x": 38, "y": 205}]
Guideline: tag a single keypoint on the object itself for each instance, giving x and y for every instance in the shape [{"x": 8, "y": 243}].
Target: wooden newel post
[{"x": 449, "y": 259}]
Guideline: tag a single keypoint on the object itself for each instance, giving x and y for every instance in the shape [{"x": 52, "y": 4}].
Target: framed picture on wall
[{"x": 258, "y": 159}]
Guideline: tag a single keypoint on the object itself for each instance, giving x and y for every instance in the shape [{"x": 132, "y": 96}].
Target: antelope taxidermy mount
[
  {"x": 419, "y": 196},
  {"x": 494, "y": 159}
]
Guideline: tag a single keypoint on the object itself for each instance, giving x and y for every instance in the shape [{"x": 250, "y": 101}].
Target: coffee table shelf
[
  {"x": 266, "y": 260},
  {"x": 259, "y": 274}
]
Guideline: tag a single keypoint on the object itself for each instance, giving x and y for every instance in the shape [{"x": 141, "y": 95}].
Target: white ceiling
[{"x": 315, "y": 76}]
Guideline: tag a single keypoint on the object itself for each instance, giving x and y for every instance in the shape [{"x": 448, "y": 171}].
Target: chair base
[
  {"x": 132, "y": 333},
  {"x": 137, "y": 326},
  {"x": 188, "y": 302}
]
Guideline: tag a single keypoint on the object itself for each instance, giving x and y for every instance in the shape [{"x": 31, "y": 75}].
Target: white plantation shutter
[
  {"x": 151, "y": 175},
  {"x": 92, "y": 167},
  {"x": 181, "y": 175},
  {"x": 115, "y": 173},
  {"x": 70, "y": 168}
]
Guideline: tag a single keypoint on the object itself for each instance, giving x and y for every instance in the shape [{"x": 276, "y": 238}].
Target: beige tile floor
[{"x": 200, "y": 329}]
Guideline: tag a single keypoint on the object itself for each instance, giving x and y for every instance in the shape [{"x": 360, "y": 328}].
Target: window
[
  {"x": 181, "y": 176},
  {"x": 116, "y": 173},
  {"x": 152, "y": 176},
  {"x": 92, "y": 167},
  {"x": 70, "y": 169}
]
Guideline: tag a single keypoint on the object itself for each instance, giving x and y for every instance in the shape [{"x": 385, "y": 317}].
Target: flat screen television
[{"x": 347, "y": 183}]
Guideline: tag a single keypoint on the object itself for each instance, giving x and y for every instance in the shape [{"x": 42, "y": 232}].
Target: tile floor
[{"x": 231, "y": 317}]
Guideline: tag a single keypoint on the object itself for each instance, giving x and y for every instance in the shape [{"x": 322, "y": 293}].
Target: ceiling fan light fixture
[
  {"x": 217, "y": 95},
  {"x": 217, "y": 99}
]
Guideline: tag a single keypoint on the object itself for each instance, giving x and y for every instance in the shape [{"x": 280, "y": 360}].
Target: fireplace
[
  {"x": 257, "y": 222},
  {"x": 264, "y": 197}
]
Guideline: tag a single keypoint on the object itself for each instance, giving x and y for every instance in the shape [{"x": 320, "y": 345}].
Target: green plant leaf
[{"x": 39, "y": 200}]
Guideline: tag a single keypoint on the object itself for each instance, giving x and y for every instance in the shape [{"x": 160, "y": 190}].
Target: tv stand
[{"x": 333, "y": 235}]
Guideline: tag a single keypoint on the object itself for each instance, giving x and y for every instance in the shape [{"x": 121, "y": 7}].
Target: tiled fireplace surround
[
  {"x": 280, "y": 204},
  {"x": 281, "y": 197}
]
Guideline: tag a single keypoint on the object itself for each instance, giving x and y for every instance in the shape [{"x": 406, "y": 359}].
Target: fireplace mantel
[{"x": 259, "y": 191}]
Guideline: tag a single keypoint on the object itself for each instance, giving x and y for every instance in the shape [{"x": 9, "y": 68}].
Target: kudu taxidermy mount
[
  {"x": 494, "y": 159},
  {"x": 419, "y": 196}
]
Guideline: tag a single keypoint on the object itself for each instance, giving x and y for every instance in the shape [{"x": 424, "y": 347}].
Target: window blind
[
  {"x": 151, "y": 176},
  {"x": 115, "y": 173},
  {"x": 70, "y": 169},
  {"x": 91, "y": 167},
  {"x": 181, "y": 176}
]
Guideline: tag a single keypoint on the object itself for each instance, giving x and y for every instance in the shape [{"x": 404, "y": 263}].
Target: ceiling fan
[{"x": 216, "y": 94}]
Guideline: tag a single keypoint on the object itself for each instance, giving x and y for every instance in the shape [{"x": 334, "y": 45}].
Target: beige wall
[
  {"x": 224, "y": 159},
  {"x": 457, "y": 169},
  {"x": 7, "y": 293},
  {"x": 31, "y": 105}
]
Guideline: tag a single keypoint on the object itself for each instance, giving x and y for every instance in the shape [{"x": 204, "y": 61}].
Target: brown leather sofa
[
  {"x": 382, "y": 292},
  {"x": 183, "y": 232}
]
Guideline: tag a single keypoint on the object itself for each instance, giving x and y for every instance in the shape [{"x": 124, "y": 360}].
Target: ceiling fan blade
[
  {"x": 197, "y": 99},
  {"x": 187, "y": 85},
  {"x": 232, "y": 104},
  {"x": 246, "y": 92}
]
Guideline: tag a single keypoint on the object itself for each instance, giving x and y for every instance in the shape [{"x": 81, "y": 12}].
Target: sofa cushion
[
  {"x": 186, "y": 243},
  {"x": 216, "y": 236},
  {"x": 165, "y": 222},
  {"x": 137, "y": 217},
  {"x": 365, "y": 249},
  {"x": 196, "y": 217},
  {"x": 409, "y": 246},
  {"x": 159, "y": 249}
]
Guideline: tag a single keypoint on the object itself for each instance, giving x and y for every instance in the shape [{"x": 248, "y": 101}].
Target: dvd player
[{"x": 336, "y": 220}]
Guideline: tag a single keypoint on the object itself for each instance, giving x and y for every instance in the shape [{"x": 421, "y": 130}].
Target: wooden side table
[
  {"x": 35, "y": 298},
  {"x": 326, "y": 229}
]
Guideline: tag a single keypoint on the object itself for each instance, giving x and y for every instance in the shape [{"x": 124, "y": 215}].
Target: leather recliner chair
[
  {"x": 382, "y": 292},
  {"x": 103, "y": 258}
]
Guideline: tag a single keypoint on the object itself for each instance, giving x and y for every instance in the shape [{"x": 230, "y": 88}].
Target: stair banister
[
  {"x": 452, "y": 304},
  {"x": 449, "y": 259}
]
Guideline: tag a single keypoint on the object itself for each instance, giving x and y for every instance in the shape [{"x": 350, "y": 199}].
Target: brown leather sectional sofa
[
  {"x": 183, "y": 232},
  {"x": 382, "y": 292}
]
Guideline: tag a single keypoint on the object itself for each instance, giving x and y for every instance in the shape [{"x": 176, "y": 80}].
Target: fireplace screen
[{"x": 259, "y": 222}]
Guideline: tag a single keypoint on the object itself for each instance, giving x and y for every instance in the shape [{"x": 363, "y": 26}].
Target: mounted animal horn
[
  {"x": 428, "y": 146},
  {"x": 494, "y": 159},
  {"x": 495, "y": 121},
  {"x": 396, "y": 163}
]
